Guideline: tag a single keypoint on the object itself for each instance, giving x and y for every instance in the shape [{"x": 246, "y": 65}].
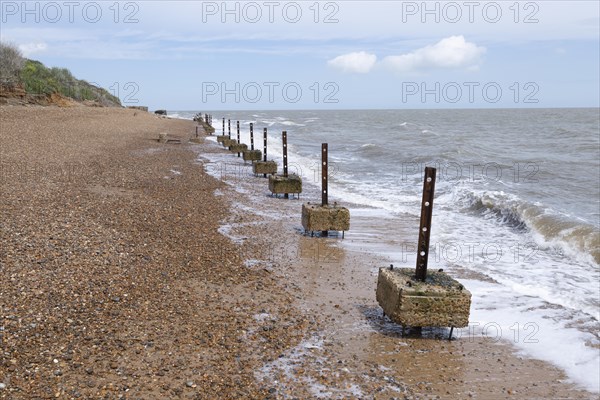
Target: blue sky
[{"x": 208, "y": 55}]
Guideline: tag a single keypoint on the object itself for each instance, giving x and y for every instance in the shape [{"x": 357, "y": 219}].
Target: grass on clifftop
[{"x": 37, "y": 79}]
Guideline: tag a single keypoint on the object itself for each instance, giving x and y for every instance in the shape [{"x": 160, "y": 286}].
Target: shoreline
[
  {"x": 313, "y": 263},
  {"x": 114, "y": 264}
]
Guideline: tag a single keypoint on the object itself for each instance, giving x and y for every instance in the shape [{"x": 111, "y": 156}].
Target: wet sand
[{"x": 120, "y": 279}]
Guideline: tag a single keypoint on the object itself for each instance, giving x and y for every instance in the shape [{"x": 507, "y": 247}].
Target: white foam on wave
[
  {"x": 535, "y": 289},
  {"x": 512, "y": 257},
  {"x": 551, "y": 230},
  {"x": 181, "y": 115},
  {"x": 290, "y": 123},
  {"x": 536, "y": 330},
  {"x": 340, "y": 190}
]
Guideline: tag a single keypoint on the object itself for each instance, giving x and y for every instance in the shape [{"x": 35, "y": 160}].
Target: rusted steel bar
[
  {"x": 197, "y": 130},
  {"x": 285, "y": 158},
  {"x": 324, "y": 173},
  {"x": 285, "y": 155},
  {"x": 425, "y": 225},
  {"x": 251, "y": 136},
  {"x": 265, "y": 147},
  {"x": 229, "y": 128},
  {"x": 223, "y": 126},
  {"x": 238, "y": 134},
  {"x": 324, "y": 170}
]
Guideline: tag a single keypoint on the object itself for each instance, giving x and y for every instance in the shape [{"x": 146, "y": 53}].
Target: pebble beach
[{"x": 119, "y": 278}]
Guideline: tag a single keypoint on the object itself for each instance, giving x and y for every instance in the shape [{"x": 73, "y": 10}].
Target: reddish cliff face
[{"x": 15, "y": 94}]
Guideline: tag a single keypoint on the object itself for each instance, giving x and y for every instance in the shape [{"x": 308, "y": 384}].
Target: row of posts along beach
[{"x": 411, "y": 297}]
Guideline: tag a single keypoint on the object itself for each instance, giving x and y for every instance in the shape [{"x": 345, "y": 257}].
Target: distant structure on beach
[{"x": 141, "y": 108}]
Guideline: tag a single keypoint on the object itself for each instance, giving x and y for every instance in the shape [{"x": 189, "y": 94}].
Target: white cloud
[
  {"x": 451, "y": 52},
  {"x": 360, "y": 62},
  {"x": 29, "y": 49}
]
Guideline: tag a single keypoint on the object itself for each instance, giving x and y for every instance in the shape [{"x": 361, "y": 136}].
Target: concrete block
[
  {"x": 264, "y": 167},
  {"x": 221, "y": 138},
  {"x": 162, "y": 137},
  {"x": 238, "y": 147},
  {"x": 316, "y": 217},
  {"x": 252, "y": 155},
  {"x": 279, "y": 184},
  {"x": 228, "y": 142},
  {"x": 441, "y": 301}
]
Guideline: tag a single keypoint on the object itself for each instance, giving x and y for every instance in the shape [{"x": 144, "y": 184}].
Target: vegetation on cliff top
[{"x": 39, "y": 80}]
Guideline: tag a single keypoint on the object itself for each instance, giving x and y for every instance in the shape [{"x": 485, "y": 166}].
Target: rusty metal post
[
  {"x": 238, "y": 134},
  {"x": 425, "y": 225},
  {"x": 251, "y": 136},
  {"x": 285, "y": 158},
  {"x": 229, "y": 128},
  {"x": 324, "y": 173},
  {"x": 196, "y": 130},
  {"x": 223, "y": 126},
  {"x": 265, "y": 147}
]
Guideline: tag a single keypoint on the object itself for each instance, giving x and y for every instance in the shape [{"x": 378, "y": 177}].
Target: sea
[{"x": 516, "y": 213}]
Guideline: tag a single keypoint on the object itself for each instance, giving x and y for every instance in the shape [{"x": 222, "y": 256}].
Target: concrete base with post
[
  {"x": 252, "y": 155},
  {"x": 291, "y": 184},
  {"x": 264, "y": 167},
  {"x": 414, "y": 297},
  {"x": 440, "y": 301},
  {"x": 325, "y": 217},
  {"x": 319, "y": 217},
  {"x": 238, "y": 147},
  {"x": 286, "y": 183},
  {"x": 222, "y": 138}
]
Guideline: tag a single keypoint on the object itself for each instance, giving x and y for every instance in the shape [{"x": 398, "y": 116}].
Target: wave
[
  {"x": 280, "y": 121},
  {"x": 572, "y": 237},
  {"x": 290, "y": 123}
]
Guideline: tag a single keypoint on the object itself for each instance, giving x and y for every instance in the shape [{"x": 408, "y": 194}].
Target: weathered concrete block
[
  {"x": 252, "y": 155},
  {"x": 229, "y": 142},
  {"x": 316, "y": 217},
  {"x": 221, "y": 138},
  {"x": 439, "y": 302},
  {"x": 279, "y": 184},
  {"x": 238, "y": 147},
  {"x": 207, "y": 127},
  {"x": 264, "y": 167},
  {"x": 162, "y": 137},
  {"x": 196, "y": 140}
]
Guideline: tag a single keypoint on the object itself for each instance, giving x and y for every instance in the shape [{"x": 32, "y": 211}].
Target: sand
[{"x": 120, "y": 279}]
